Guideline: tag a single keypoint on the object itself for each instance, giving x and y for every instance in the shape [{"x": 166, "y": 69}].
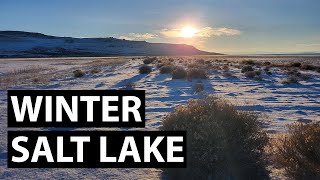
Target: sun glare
[{"x": 188, "y": 32}]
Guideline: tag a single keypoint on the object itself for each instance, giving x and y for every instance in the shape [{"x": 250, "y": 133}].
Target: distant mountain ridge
[{"x": 32, "y": 44}]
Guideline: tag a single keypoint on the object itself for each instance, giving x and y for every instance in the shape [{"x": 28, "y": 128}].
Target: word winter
[{"x": 80, "y": 108}]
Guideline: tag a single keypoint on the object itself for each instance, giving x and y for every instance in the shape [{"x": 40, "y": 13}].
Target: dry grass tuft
[
  {"x": 197, "y": 73},
  {"x": 78, "y": 73},
  {"x": 299, "y": 151},
  {"x": 166, "y": 69},
  {"x": 31, "y": 74},
  {"x": 145, "y": 69},
  {"x": 179, "y": 73},
  {"x": 198, "y": 87}
]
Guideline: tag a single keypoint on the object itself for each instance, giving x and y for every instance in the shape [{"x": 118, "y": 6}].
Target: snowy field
[{"x": 279, "y": 103}]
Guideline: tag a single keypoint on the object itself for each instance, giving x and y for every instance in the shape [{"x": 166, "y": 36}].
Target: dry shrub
[
  {"x": 308, "y": 67},
  {"x": 95, "y": 70},
  {"x": 78, "y": 73},
  {"x": 207, "y": 62},
  {"x": 222, "y": 142},
  {"x": 247, "y": 68},
  {"x": 197, "y": 73},
  {"x": 295, "y": 64},
  {"x": 200, "y": 61},
  {"x": 166, "y": 69},
  {"x": 294, "y": 76},
  {"x": 40, "y": 79},
  {"x": 253, "y": 74},
  {"x": 198, "y": 87},
  {"x": 228, "y": 74},
  {"x": 291, "y": 80},
  {"x": 179, "y": 73},
  {"x": 145, "y": 69},
  {"x": 129, "y": 85},
  {"x": 149, "y": 60},
  {"x": 267, "y": 63},
  {"x": 267, "y": 70},
  {"x": 249, "y": 62},
  {"x": 299, "y": 151}
]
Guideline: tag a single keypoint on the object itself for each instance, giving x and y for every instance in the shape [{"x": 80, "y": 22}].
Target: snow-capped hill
[{"x": 30, "y": 44}]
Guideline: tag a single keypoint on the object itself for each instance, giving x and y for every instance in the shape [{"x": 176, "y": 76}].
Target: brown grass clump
[
  {"x": 222, "y": 142},
  {"x": 295, "y": 64},
  {"x": 145, "y": 69},
  {"x": 129, "y": 85},
  {"x": 249, "y": 62},
  {"x": 308, "y": 67},
  {"x": 179, "y": 73},
  {"x": 252, "y": 74},
  {"x": 228, "y": 74},
  {"x": 267, "y": 63},
  {"x": 95, "y": 71},
  {"x": 149, "y": 60},
  {"x": 299, "y": 151},
  {"x": 102, "y": 62},
  {"x": 166, "y": 69},
  {"x": 294, "y": 76},
  {"x": 267, "y": 70},
  {"x": 198, "y": 87},
  {"x": 291, "y": 80},
  {"x": 197, "y": 73},
  {"x": 78, "y": 73},
  {"x": 30, "y": 74},
  {"x": 247, "y": 68}
]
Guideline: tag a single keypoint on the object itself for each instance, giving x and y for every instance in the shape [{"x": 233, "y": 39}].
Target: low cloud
[
  {"x": 205, "y": 32},
  {"x": 309, "y": 45},
  {"x": 138, "y": 36}
]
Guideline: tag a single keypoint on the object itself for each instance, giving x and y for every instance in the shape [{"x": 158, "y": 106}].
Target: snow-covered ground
[{"x": 279, "y": 103}]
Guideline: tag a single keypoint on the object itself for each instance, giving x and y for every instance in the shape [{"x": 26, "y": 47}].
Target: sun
[{"x": 188, "y": 31}]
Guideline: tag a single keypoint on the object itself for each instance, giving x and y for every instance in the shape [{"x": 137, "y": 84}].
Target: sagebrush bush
[
  {"x": 179, "y": 73},
  {"x": 166, "y": 69},
  {"x": 78, "y": 73},
  {"x": 200, "y": 61},
  {"x": 95, "y": 71},
  {"x": 249, "y": 62},
  {"x": 294, "y": 76},
  {"x": 299, "y": 151},
  {"x": 145, "y": 69},
  {"x": 197, "y": 73},
  {"x": 267, "y": 70},
  {"x": 149, "y": 60},
  {"x": 267, "y": 63},
  {"x": 198, "y": 87},
  {"x": 308, "y": 67},
  {"x": 129, "y": 85},
  {"x": 291, "y": 80},
  {"x": 250, "y": 74},
  {"x": 228, "y": 73},
  {"x": 295, "y": 64},
  {"x": 222, "y": 142},
  {"x": 247, "y": 68},
  {"x": 159, "y": 65}
]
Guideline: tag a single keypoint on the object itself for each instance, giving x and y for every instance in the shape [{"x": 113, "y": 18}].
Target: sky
[{"x": 225, "y": 26}]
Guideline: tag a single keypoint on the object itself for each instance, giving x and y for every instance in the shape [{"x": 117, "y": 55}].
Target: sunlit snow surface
[{"x": 279, "y": 104}]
